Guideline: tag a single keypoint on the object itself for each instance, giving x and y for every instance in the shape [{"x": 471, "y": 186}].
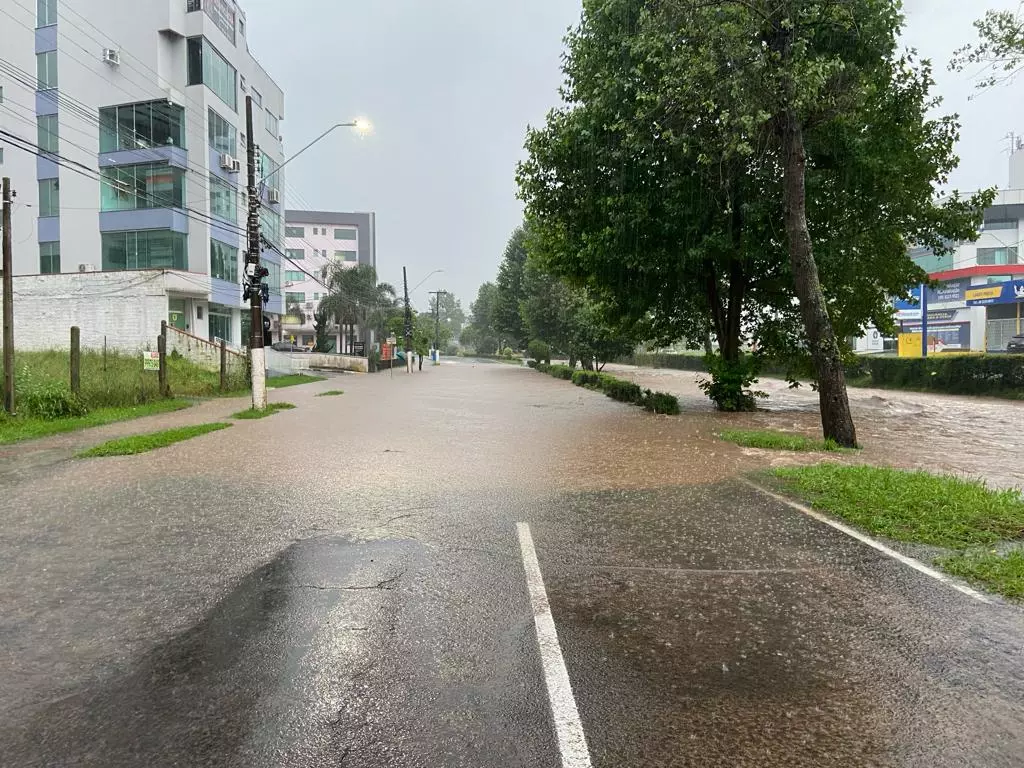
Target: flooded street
[
  {"x": 971, "y": 436},
  {"x": 378, "y": 609}
]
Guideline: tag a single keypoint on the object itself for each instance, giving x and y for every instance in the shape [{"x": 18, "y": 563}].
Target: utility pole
[
  {"x": 8, "y": 294},
  {"x": 408, "y": 323},
  {"x": 437, "y": 322},
  {"x": 255, "y": 291}
]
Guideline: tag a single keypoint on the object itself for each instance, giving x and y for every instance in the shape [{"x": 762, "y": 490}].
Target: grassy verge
[
  {"x": 1001, "y": 573},
  {"x": 128, "y": 446},
  {"x": 332, "y": 393},
  {"x": 293, "y": 379},
  {"x": 778, "y": 441},
  {"x": 911, "y": 506},
  {"x": 964, "y": 516},
  {"x": 270, "y": 410},
  {"x": 27, "y": 428}
]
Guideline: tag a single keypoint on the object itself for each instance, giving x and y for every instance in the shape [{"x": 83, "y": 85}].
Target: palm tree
[{"x": 355, "y": 297}]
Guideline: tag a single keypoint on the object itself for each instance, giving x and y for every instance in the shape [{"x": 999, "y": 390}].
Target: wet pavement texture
[{"x": 362, "y": 601}]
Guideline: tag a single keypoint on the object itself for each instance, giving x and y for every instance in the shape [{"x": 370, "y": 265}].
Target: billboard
[{"x": 1002, "y": 293}]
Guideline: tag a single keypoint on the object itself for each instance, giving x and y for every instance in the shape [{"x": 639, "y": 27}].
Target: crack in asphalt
[{"x": 385, "y": 585}]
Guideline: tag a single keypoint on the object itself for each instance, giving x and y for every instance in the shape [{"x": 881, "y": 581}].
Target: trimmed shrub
[
  {"x": 587, "y": 379},
  {"x": 997, "y": 375},
  {"x": 623, "y": 391},
  {"x": 539, "y": 351},
  {"x": 661, "y": 402},
  {"x": 560, "y": 371},
  {"x": 533, "y": 363},
  {"x": 542, "y": 367}
]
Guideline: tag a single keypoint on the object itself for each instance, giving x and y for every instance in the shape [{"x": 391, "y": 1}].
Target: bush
[
  {"x": 997, "y": 375},
  {"x": 533, "y": 363},
  {"x": 623, "y": 391},
  {"x": 729, "y": 385},
  {"x": 508, "y": 353},
  {"x": 539, "y": 351},
  {"x": 48, "y": 399},
  {"x": 587, "y": 379},
  {"x": 542, "y": 367},
  {"x": 560, "y": 371},
  {"x": 661, "y": 402}
]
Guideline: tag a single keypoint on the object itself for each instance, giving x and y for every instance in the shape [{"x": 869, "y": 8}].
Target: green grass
[
  {"x": 128, "y": 446},
  {"x": 293, "y": 379},
  {"x": 911, "y": 506},
  {"x": 778, "y": 441},
  {"x": 1000, "y": 573},
  {"x": 119, "y": 381},
  {"x": 27, "y": 428},
  {"x": 332, "y": 393},
  {"x": 270, "y": 410}
]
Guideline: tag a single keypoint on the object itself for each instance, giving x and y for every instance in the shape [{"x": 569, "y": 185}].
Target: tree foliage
[
  {"x": 451, "y": 317},
  {"x": 506, "y": 318},
  {"x": 659, "y": 187},
  {"x": 999, "y": 50},
  {"x": 356, "y": 299}
]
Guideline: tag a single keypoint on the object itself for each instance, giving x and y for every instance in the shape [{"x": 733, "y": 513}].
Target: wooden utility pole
[
  {"x": 254, "y": 272},
  {"x": 8, "y": 299},
  {"x": 76, "y": 359},
  {"x": 408, "y": 323},
  {"x": 437, "y": 321}
]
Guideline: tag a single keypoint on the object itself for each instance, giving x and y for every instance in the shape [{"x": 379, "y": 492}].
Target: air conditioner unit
[
  {"x": 237, "y": 166},
  {"x": 86, "y": 267},
  {"x": 274, "y": 196},
  {"x": 227, "y": 162},
  {"x": 111, "y": 56}
]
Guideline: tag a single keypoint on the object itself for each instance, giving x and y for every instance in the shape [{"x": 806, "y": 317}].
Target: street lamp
[
  {"x": 361, "y": 124},
  {"x": 421, "y": 282}
]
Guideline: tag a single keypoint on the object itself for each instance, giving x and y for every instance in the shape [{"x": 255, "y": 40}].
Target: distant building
[
  {"x": 136, "y": 115},
  {"x": 315, "y": 240}
]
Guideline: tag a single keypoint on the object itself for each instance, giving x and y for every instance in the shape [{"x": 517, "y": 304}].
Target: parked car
[
  {"x": 287, "y": 346},
  {"x": 1016, "y": 345}
]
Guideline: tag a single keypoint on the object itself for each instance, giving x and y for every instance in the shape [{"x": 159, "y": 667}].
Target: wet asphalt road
[{"x": 363, "y": 602}]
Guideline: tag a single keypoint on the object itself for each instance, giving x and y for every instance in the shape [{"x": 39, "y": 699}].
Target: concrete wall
[
  {"x": 124, "y": 307},
  {"x": 203, "y": 353},
  {"x": 292, "y": 363}
]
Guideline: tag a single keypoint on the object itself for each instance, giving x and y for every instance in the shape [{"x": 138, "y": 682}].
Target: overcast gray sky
[{"x": 451, "y": 85}]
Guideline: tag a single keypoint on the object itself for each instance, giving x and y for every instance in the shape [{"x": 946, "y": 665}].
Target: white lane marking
[
  {"x": 917, "y": 565},
  {"x": 572, "y": 742}
]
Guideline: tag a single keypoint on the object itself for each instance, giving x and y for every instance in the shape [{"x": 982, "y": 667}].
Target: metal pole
[
  {"x": 8, "y": 299},
  {"x": 76, "y": 359},
  {"x": 924, "y": 320},
  {"x": 254, "y": 272}
]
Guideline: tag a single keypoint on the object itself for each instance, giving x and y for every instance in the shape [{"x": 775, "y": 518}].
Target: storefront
[{"x": 1004, "y": 307}]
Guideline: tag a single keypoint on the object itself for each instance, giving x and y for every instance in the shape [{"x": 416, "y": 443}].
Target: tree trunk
[{"x": 836, "y": 419}]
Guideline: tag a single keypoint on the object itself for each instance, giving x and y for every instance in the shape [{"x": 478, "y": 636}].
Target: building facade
[
  {"x": 124, "y": 137},
  {"x": 314, "y": 241}
]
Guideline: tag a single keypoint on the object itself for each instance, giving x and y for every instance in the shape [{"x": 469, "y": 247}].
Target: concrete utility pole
[
  {"x": 437, "y": 323},
  {"x": 255, "y": 291},
  {"x": 408, "y": 323},
  {"x": 8, "y": 294}
]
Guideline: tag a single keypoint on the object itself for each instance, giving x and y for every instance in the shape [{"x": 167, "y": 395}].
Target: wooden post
[
  {"x": 104, "y": 354},
  {"x": 76, "y": 359},
  {"x": 161, "y": 347},
  {"x": 223, "y": 367},
  {"x": 8, "y": 295}
]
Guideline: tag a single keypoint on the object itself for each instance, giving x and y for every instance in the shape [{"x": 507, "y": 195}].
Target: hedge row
[
  {"x": 617, "y": 389},
  {"x": 992, "y": 375}
]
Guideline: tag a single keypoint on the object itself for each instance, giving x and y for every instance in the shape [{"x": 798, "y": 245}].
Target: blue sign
[
  {"x": 1000, "y": 293},
  {"x": 946, "y": 293}
]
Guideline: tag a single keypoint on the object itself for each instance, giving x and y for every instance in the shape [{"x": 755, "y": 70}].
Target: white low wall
[
  {"x": 124, "y": 307},
  {"x": 203, "y": 353},
  {"x": 301, "y": 361}
]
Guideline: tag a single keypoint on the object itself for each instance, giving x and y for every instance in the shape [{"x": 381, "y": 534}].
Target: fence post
[
  {"x": 161, "y": 348},
  {"x": 104, "y": 354},
  {"x": 76, "y": 359},
  {"x": 223, "y": 367}
]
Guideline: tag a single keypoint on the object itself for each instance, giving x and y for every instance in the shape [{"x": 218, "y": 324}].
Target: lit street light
[{"x": 361, "y": 124}]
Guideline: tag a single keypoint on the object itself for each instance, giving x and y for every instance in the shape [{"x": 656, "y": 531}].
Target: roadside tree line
[{"x": 750, "y": 172}]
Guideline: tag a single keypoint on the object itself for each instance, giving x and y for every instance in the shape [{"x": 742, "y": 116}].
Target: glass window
[
  {"x": 46, "y": 13},
  {"x": 223, "y": 199},
  {"x": 49, "y": 258},
  {"x": 49, "y": 197},
  {"x": 997, "y": 256},
  {"x": 294, "y": 232},
  {"x": 142, "y": 126},
  {"x": 346, "y": 234},
  {"x": 257, "y": 98},
  {"x": 47, "y": 133},
  {"x": 294, "y": 298},
  {"x": 241, "y": 84},
  {"x": 294, "y": 276},
  {"x": 149, "y": 249},
  {"x": 220, "y": 323},
  {"x": 222, "y": 134},
  {"x": 46, "y": 70},
  {"x": 273, "y": 126},
  {"x": 223, "y": 262},
  {"x": 207, "y": 67},
  {"x": 274, "y": 278},
  {"x": 296, "y": 254},
  {"x": 346, "y": 255},
  {"x": 268, "y": 167},
  {"x": 988, "y": 226},
  {"x": 149, "y": 185},
  {"x": 241, "y": 27},
  {"x": 270, "y": 225}
]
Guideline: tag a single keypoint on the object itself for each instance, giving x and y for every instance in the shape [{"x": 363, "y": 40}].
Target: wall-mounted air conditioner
[
  {"x": 227, "y": 162},
  {"x": 111, "y": 56},
  {"x": 86, "y": 267},
  {"x": 274, "y": 196}
]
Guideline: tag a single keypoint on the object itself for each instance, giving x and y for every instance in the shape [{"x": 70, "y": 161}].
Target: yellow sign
[
  {"x": 910, "y": 345},
  {"x": 977, "y": 294}
]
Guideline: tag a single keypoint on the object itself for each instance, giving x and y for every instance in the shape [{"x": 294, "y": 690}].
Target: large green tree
[
  {"x": 755, "y": 168},
  {"x": 449, "y": 315},
  {"x": 356, "y": 299},
  {"x": 480, "y": 334},
  {"x": 506, "y": 319}
]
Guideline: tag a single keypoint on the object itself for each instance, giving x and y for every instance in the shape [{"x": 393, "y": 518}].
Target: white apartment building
[
  {"x": 314, "y": 240},
  {"x": 135, "y": 113}
]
